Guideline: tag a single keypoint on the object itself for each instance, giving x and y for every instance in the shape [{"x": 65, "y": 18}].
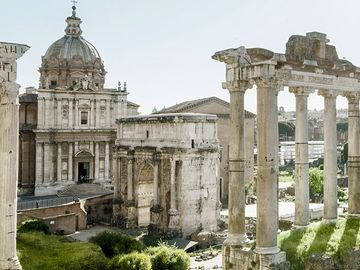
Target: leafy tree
[
  {"x": 132, "y": 261},
  {"x": 316, "y": 181}
]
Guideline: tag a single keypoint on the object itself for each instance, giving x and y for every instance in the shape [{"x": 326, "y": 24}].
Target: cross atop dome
[{"x": 74, "y": 8}]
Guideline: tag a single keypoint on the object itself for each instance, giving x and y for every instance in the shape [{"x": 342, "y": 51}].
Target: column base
[
  {"x": 11, "y": 264},
  {"x": 236, "y": 240},
  {"x": 267, "y": 250},
  {"x": 353, "y": 215},
  {"x": 329, "y": 220},
  {"x": 174, "y": 222},
  {"x": 239, "y": 258},
  {"x": 299, "y": 227}
]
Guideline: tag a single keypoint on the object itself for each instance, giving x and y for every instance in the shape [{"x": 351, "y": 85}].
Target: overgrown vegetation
[
  {"x": 135, "y": 260},
  {"x": 34, "y": 226},
  {"x": 115, "y": 243},
  {"x": 39, "y": 251},
  {"x": 335, "y": 240}
]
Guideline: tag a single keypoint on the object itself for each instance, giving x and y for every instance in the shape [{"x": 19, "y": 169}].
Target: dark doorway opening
[{"x": 83, "y": 172}]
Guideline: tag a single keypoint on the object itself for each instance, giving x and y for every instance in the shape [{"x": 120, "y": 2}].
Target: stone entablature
[{"x": 167, "y": 167}]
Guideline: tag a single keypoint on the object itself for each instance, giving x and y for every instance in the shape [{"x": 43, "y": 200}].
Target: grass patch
[
  {"x": 335, "y": 240},
  {"x": 39, "y": 251}
]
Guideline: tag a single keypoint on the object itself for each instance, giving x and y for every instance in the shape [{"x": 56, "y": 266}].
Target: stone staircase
[{"x": 83, "y": 189}]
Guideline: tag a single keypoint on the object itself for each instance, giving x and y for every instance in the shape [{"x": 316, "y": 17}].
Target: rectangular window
[{"x": 84, "y": 118}]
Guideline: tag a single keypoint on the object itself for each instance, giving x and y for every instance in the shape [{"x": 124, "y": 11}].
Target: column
[
  {"x": 354, "y": 153},
  {"x": 59, "y": 162},
  {"x": 92, "y": 113},
  {"x": 97, "y": 161},
  {"x": 70, "y": 163},
  {"x": 40, "y": 112},
  {"x": 267, "y": 180},
  {"x": 302, "y": 211},
  {"x": 47, "y": 113},
  {"x": 236, "y": 202},
  {"x": 108, "y": 123},
  {"x": 39, "y": 164},
  {"x": 107, "y": 161},
  {"x": 130, "y": 189},
  {"x": 330, "y": 159},
  {"x": 173, "y": 211},
  {"x": 76, "y": 112},
  {"x": 9, "y": 134},
  {"x": 47, "y": 163},
  {"x": 59, "y": 113},
  {"x": 71, "y": 111},
  {"x": 156, "y": 178},
  {"x": 97, "y": 113}
]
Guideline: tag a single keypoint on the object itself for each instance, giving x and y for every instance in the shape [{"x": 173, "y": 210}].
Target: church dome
[{"x": 72, "y": 59}]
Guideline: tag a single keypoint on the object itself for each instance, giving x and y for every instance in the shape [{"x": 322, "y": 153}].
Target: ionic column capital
[
  {"x": 270, "y": 82},
  {"x": 301, "y": 90},
  {"x": 328, "y": 93},
  {"x": 352, "y": 97},
  {"x": 237, "y": 86}
]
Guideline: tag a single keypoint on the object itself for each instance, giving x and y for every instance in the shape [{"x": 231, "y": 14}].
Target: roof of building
[
  {"x": 187, "y": 105},
  {"x": 168, "y": 117}
]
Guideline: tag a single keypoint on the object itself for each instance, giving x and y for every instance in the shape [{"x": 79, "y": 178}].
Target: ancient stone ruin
[
  {"x": 308, "y": 64},
  {"x": 9, "y": 134}
]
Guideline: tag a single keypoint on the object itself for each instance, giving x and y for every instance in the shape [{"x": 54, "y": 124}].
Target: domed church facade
[{"x": 75, "y": 126}]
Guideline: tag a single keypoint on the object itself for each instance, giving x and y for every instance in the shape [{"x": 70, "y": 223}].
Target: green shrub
[
  {"x": 34, "y": 225},
  {"x": 90, "y": 262},
  {"x": 114, "y": 243},
  {"x": 316, "y": 181},
  {"x": 168, "y": 257},
  {"x": 132, "y": 261}
]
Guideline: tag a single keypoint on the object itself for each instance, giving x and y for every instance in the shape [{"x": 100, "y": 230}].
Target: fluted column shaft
[
  {"x": 267, "y": 178},
  {"x": 302, "y": 211},
  {"x": 236, "y": 202},
  {"x": 156, "y": 180},
  {"x": 71, "y": 113},
  {"x": 330, "y": 159},
  {"x": 97, "y": 161},
  {"x": 9, "y": 134},
  {"x": 354, "y": 154},
  {"x": 39, "y": 164}
]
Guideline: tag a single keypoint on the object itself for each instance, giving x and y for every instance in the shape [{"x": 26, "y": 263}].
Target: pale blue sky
[{"x": 163, "y": 48}]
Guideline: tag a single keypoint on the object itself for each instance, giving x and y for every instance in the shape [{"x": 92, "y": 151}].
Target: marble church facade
[{"x": 75, "y": 129}]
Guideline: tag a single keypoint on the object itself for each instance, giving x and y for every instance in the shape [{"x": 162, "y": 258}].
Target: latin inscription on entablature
[{"x": 322, "y": 80}]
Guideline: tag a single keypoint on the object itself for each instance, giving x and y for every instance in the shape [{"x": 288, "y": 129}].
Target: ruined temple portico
[{"x": 308, "y": 64}]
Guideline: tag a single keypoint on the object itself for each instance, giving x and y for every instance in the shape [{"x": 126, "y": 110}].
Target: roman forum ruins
[
  {"x": 9, "y": 118},
  {"x": 308, "y": 64}
]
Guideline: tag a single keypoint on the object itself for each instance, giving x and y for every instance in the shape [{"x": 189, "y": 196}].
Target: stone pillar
[
  {"x": 236, "y": 202},
  {"x": 47, "y": 163},
  {"x": 9, "y": 134},
  {"x": 40, "y": 113},
  {"x": 302, "y": 211},
  {"x": 267, "y": 179},
  {"x": 59, "y": 162},
  {"x": 70, "y": 163},
  {"x": 108, "y": 123},
  {"x": 39, "y": 164},
  {"x": 76, "y": 113},
  {"x": 330, "y": 159},
  {"x": 71, "y": 111},
  {"x": 354, "y": 153},
  {"x": 59, "y": 113},
  {"x": 47, "y": 113},
  {"x": 173, "y": 211},
  {"x": 92, "y": 113},
  {"x": 97, "y": 161},
  {"x": 97, "y": 113},
  {"x": 107, "y": 161},
  {"x": 130, "y": 188},
  {"x": 156, "y": 177}
]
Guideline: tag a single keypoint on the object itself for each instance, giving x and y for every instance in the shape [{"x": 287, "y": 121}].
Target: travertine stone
[
  {"x": 59, "y": 162},
  {"x": 70, "y": 162},
  {"x": 130, "y": 183},
  {"x": 330, "y": 158},
  {"x": 302, "y": 212},
  {"x": 173, "y": 211},
  {"x": 267, "y": 177},
  {"x": 9, "y": 149},
  {"x": 107, "y": 161},
  {"x": 354, "y": 153},
  {"x": 97, "y": 161},
  {"x": 236, "y": 203}
]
